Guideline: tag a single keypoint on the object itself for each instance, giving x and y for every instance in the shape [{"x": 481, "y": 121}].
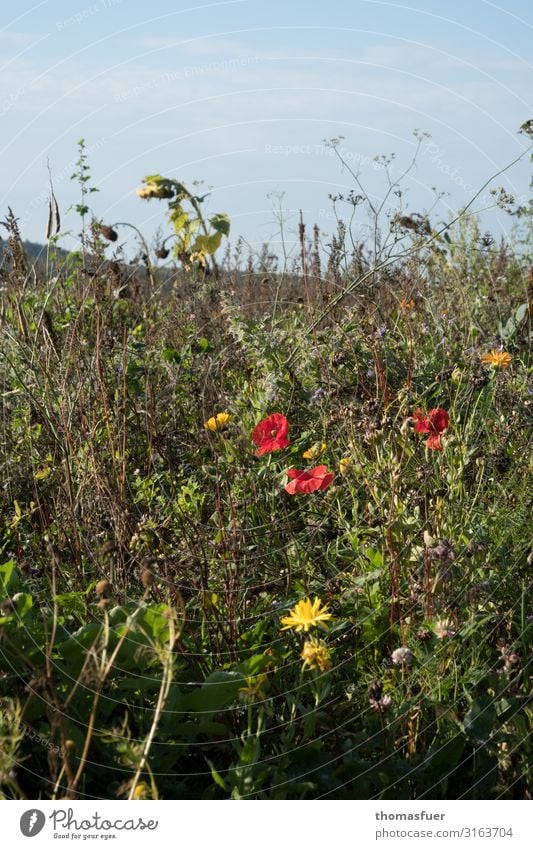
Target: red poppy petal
[
  {"x": 439, "y": 419},
  {"x": 434, "y": 442},
  {"x": 291, "y": 487},
  {"x": 307, "y": 486},
  {"x": 281, "y": 423},
  {"x": 327, "y": 480}
]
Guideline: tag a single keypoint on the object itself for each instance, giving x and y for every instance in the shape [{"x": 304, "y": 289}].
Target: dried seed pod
[
  {"x": 108, "y": 547},
  {"x": 375, "y": 691},
  {"x": 108, "y": 233},
  {"x": 162, "y": 253},
  {"x": 103, "y": 588},
  {"x": 442, "y": 551},
  {"x": 147, "y": 578}
]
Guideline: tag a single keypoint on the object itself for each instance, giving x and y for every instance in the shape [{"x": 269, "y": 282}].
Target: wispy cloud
[{"x": 201, "y": 46}]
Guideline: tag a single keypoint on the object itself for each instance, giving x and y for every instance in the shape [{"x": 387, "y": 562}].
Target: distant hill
[{"x": 34, "y": 250}]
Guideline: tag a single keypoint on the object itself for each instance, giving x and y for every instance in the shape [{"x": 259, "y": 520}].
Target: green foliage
[{"x": 82, "y": 176}]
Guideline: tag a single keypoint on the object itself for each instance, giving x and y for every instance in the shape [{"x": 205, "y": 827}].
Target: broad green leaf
[
  {"x": 6, "y": 572},
  {"x": 220, "y": 222},
  {"x": 217, "y": 692}
]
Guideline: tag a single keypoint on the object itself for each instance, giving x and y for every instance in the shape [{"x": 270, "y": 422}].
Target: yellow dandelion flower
[
  {"x": 315, "y": 655},
  {"x": 306, "y": 614},
  {"x": 217, "y": 422},
  {"x": 497, "y": 359},
  {"x": 315, "y": 451},
  {"x": 345, "y": 465}
]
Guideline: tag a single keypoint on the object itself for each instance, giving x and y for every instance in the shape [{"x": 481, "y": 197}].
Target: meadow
[{"x": 265, "y": 517}]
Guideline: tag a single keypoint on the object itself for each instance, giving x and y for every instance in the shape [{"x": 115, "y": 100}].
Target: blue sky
[{"x": 241, "y": 95}]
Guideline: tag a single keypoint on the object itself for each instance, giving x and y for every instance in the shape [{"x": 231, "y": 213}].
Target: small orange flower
[
  {"x": 497, "y": 359},
  {"x": 407, "y": 305}
]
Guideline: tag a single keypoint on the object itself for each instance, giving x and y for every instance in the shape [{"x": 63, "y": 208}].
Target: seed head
[
  {"x": 103, "y": 588},
  {"x": 108, "y": 233},
  {"x": 147, "y": 578}
]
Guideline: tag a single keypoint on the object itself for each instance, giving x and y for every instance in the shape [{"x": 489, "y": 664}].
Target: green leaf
[
  {"x": 217, "y": 778},
  {"x": 513, "y": 324},
  {"x": 72, "y": 604},
  {"x": 445, "y": 754},
  {"x": 220, "y": 222},
  {"x": 480, "y": 719},
  {"x": 204, "y": 345},
  {"x": 207, "y": 244},
  {"x": 171, "y": 355},
  {"x": 24, "y": 603},
  {"x": 254, "y": 665},
  {"x": 217, "y": 692},
  {"x": 179, "y": 219},
  {"x": 153, "y": 620},
  {"x": 6, "y": 571}
]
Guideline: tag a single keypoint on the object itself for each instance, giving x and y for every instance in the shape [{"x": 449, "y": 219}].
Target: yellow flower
[
  {"x": 154, "y": 190},
  {"x": 315, "y": 655},
  {"x": 315, "y": 451},
  {"x": 199, "y": 257},
  {"x": 345, "y": 465},
  {"x": 497, "y": 359},
  {"x": 142, "y": 791},
  {"x": 306, "y": 614},
  {"x": 217, "y": 422}
]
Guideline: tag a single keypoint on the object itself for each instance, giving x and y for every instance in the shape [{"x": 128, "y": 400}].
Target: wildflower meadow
[{"x": 265, "y": 526}]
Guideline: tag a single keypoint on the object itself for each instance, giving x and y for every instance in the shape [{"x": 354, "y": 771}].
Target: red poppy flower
[
  {"x": 271, "y": 434},
  {"x": 436, "y": 421},
  {"x": 308, "y": 481}
]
